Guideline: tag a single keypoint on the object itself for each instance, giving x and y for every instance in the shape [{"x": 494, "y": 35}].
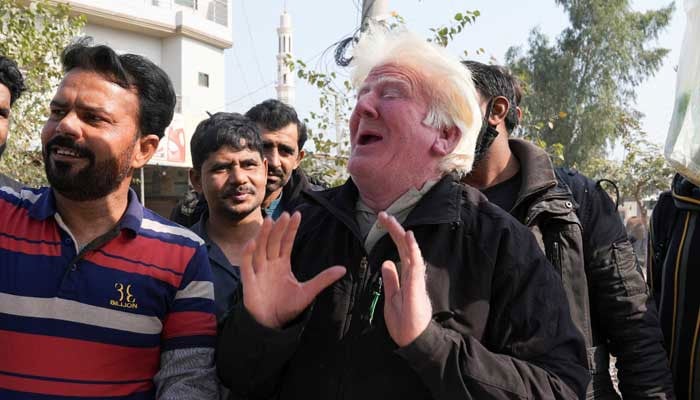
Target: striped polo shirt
[{"x": 92, "y": 323}]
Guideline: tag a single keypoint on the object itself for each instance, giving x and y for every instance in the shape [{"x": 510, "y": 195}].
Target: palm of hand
[
  {"x": 407, "y": 310},
  {"x": 271, "y": 292}
]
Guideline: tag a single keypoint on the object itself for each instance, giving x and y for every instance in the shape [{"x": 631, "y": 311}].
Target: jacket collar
[
  {"x": 686, "y": 196},
  {"x": 441, "y": 204},
  {"x": 292, "y": 190},
  {"x": 535, "y": 168}
]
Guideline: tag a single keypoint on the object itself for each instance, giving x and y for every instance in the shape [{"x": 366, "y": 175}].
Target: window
[
  {"x": 218, "y": 12},
  {"x": 203, "y": 79},
  {"x": 187, "y": 3}
]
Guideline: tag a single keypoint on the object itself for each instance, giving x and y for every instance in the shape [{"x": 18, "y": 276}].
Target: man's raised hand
[
  {"x": 407, "y": 310},
  {"x": 271, "y": 292}
]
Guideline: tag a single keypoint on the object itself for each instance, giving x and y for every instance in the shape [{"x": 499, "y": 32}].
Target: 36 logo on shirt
[{"x": 126, "y": 299}]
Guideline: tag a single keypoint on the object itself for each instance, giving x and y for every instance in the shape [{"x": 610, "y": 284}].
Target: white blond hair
[{"x": 453, "y": 100}]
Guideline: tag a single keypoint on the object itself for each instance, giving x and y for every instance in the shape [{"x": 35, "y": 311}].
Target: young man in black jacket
[
  {"x": 577, "y": 226},
  {"x": 463, "y": 305}
]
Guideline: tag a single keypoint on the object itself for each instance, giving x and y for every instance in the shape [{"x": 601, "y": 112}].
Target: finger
[
  {"x": 397, "y": 234},
  {"x": 321, "y": 281},
  {"x": 290, "y": 235},
  {"x": 390, "y": 277},
  {"x": 278, "y": 229},
  {"x": 415, "y": 274},
  {"x": 246, "y": 268},
  {"x": 260, "y": 254}
]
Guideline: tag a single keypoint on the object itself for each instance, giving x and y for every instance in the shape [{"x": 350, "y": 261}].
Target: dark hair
[
  {"x": 11, "y": 77},
  {"x": 153, "y": 87},
  {"x": 224, "y": 129},
  {"x": 273, "y": 115},
  {"x": 494, "y": 80}
]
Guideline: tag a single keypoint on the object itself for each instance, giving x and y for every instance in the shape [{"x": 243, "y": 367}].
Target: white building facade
[{"x": 186, "y": 38}]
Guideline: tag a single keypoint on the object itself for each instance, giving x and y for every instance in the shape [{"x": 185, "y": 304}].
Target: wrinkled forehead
[{"x": 396, "y": 73}]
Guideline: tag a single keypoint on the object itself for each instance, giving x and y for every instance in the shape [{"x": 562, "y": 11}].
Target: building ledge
[{"x": 138, "y": 16}]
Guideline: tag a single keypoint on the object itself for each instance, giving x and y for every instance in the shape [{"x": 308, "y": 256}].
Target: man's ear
[
  {"x": 146, "y": 146},
  {"x": 499, "y": 110},
  {"x": 446, "y": 142},
  {"x": 196, "y": 180}
]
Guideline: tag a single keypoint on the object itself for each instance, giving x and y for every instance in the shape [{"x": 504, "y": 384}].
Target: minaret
[{"x": 285, "y": 78}]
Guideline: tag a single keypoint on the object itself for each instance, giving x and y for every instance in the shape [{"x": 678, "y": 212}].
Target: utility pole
[{"x": 374, "y": 10}]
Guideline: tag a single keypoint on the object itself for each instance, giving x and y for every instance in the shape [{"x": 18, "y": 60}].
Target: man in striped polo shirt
[{"x": 99, "y": 296}]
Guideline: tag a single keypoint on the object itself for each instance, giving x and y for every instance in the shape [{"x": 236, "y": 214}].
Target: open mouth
[
  {"x": 64, "y": 152},
  {"x": 368, "y": 138}
]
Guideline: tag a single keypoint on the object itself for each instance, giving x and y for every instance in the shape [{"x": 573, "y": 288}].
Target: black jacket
[
  {"x": 673, "y": 273},
  {"x": 292, "y": 191},
  {"x": 501, "y": 326},
  {"x": 577, "y": 226}
]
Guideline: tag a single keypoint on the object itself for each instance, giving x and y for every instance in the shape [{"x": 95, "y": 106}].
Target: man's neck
[
  {"x": 382, "y": 199},
  {"x": 498, "y": 165},
  {"x": 88, "y": 220},
  {"x": 272, "y": 197},
  {"x": 231, "y": 236}
]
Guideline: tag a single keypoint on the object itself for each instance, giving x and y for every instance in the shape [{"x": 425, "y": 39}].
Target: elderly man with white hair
[{"x": 402, "y": 284}]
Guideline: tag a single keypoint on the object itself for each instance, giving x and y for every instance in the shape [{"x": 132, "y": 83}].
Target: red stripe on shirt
[
  {"x": 16, "y": 222},
  {"x": 36, "y": 249},
  {"x": 189, "y": 323},
  {"x": 152, "y": 251},
  {"x": 95, "y": 390},
  {"x": 55, "y": 357},
  {"x": 131, "y": 267}
]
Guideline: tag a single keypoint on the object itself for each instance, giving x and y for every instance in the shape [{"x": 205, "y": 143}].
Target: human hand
[
  {"x": 407, "y": 310},
  {"x": 271, "y": 292}
]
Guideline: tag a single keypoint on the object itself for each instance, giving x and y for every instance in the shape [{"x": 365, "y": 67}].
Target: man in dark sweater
[{"x": 447, "y": 298}]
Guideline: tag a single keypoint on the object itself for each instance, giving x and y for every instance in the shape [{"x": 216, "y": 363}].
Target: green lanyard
[{"x": 376, "y": 293}]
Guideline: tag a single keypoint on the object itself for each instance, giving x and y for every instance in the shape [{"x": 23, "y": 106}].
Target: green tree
[
  {"x": 33, "y": 34},
  {"x": 642, "y": 172},
  {"x": 581, "y": 90}
]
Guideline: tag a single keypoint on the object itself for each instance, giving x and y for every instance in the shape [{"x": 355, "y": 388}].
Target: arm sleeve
[
  {"x": 251, "y": 357},
  {"x": 530, "y": 350},
  {"x": 656, "y": 249},
  {"x": 188, "y": 338},
  {"x": 625, "y": 312}
]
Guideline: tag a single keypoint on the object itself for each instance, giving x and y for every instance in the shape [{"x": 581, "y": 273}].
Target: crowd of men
[{"x": 455, "y": 263}]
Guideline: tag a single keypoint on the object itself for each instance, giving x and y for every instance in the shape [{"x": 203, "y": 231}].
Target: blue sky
[{"x": 251, "y": 64}]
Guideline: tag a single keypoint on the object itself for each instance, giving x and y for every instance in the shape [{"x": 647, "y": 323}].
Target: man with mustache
[
  {"x": 448, "y": 298},
  {"x": 229, "y": 171},
  {"x": 11, "y": 87},
  {"x": 283, "y": 136},
  {"x": 99, "y": 296}
]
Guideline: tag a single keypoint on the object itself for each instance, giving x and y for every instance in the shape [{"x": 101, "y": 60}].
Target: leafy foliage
[
  {"x": 641, "y": 173},
  {"x": 33, "y": 35},
  {"x": 581, "y": 89}
]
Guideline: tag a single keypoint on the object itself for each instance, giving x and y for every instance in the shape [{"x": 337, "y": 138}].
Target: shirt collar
[{"x": 45, "y": 207}]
